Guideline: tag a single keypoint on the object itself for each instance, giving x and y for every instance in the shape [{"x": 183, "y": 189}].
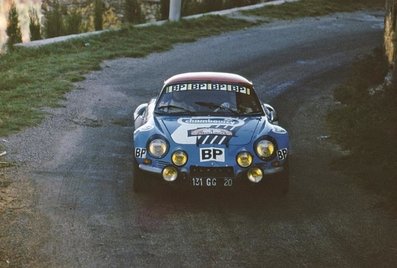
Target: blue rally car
[{"x": 206, "y": 130}]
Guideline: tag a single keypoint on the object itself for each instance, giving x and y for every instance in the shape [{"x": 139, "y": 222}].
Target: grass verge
[
  {"x": 31, "y": 79},
  {"x": 313, "y": 8},
  {"x": 365, "y": 125}
]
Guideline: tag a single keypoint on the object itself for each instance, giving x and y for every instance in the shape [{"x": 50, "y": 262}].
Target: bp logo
[{"x": 212, "y": 154}]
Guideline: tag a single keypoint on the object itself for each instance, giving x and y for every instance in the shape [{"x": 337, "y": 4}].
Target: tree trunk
[{"x": 390, "y": 32}]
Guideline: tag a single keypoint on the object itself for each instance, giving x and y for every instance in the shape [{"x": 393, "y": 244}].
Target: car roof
[{"x": 216, "y": 77}]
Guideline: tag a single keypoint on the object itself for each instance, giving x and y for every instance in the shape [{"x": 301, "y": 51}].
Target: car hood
[{"x": 210, "y": 130}]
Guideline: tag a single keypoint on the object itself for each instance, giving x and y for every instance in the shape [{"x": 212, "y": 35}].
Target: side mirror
[
  {"x": 271, "y": 113},
  {"x": 139, "y": 115}
]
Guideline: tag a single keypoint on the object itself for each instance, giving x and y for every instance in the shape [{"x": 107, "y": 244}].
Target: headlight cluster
[
  {"x": 255, "y": 174},
  {"x": 265, "y": 149},
  {"x": 179, "y": 158},
  {"x": 244, "y": 159},
  {"x": 158, "y": 148},
  {"x": 170, "y": 173}
]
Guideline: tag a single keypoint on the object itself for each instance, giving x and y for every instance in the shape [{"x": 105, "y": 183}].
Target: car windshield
[{"x": 208, "y": 99}]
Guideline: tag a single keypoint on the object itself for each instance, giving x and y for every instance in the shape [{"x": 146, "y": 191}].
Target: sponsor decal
[
  {"x": 210, "y": 121},
  {"x": 208, "y": 86},
  {"x": 140, "y": 152},
  {"x": 203, "y": 130},
  {"x": 212, "y": 154},
  {"x": 282, "y": 154},
  {"x": 209, "y": 131}
]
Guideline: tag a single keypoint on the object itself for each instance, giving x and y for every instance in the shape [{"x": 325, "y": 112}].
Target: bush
[
  {"x": 13, "y": 29},
  {"x": 365, "y": 125},
  {"x": 98, "y": 15},
  {"x": 54, "y": 24},
  {"x": 73, "y": 22},
  {"x": 34, "y": 25}
]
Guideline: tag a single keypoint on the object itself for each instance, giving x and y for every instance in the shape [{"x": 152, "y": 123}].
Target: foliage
[
  {"x": 133, "y": 13},
  {"x": 98, "y": 15},
  {"x": 73, "y": 22},
  {"x": 357, "y": 104},
  {"x": 364, "y": 124},
  {"x": 34, "y": 25},
  {"x": 13, "y": 29},
  {"x": 54, "y": 22}
]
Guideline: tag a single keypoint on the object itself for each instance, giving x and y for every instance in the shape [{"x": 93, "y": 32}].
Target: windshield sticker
[{"x": 208, "y": 86}]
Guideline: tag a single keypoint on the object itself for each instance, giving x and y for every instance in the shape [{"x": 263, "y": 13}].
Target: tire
[{"x": 139, "y": 184}]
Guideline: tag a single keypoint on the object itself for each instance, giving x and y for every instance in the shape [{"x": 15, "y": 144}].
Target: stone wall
[
  {"x": 151, "y": 9},
  {"x": 113, "y": 9}
]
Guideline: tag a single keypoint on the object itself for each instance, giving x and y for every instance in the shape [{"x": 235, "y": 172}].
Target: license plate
[{"x": 212, "y": 182}]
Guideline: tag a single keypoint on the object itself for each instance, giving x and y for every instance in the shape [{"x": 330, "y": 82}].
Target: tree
[
  {"x": 390, "y": 36},
  {"x": 13, "y": 29},
  {"x": 73, "y": 22},
  {"x": 98, "y": 15},
  {"x": 54, "y": 25},
  {"x": 390, "y": 27},
  {"x": 34, "y": 25}
]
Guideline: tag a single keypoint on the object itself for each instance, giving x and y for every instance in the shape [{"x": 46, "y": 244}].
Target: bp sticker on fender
[
  {"x": 282, "y": 154},
  {"x": 212, "y": 154},
  {"x": 140, "y": 152}
]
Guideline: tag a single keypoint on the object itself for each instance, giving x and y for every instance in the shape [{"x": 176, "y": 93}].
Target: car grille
[
  {"x": 160, "y": 164},
  {"x": 212, "y": 172}
]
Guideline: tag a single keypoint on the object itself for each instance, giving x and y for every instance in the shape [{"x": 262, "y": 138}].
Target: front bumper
[{"x": 210, "y": 171}]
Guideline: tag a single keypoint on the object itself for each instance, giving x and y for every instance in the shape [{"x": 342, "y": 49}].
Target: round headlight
[
  {"x": 255, "y": 174},
  {"x": 158, "y": 148},
  {"x": 179, "y": 158},
  {"x": 244, "y": 159},
  {"x": 265, "y": 148},
  {"x": 170, "y": 173}
]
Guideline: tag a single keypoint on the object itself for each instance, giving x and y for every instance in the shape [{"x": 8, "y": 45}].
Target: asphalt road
[{"x": 84, "y": 212}]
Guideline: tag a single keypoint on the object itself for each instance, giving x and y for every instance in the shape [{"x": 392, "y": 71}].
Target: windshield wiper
[{"x": 174, "y": 107}]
